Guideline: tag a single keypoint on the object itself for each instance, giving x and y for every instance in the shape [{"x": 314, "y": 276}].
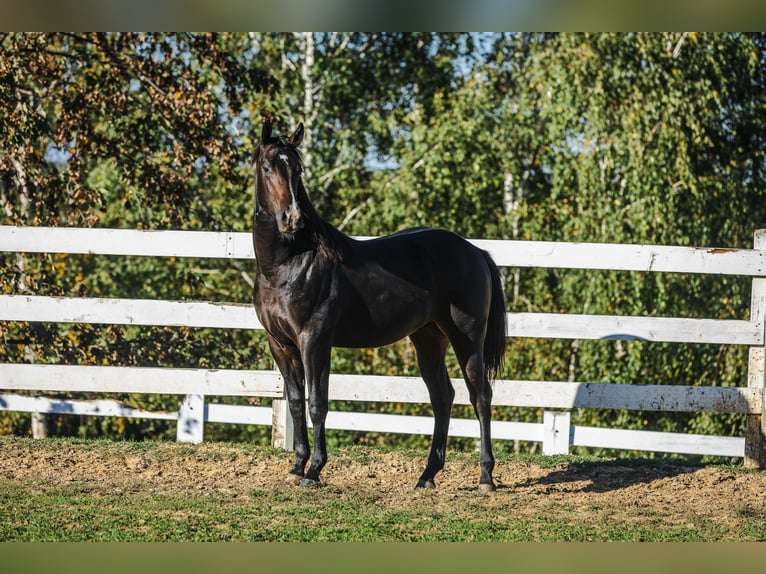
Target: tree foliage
[{"x": 622, "y": 138}]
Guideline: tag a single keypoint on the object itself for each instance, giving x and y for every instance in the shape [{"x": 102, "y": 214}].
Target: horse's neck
[
  {"x": 329, "y": 241},
  {"x": 273, "y": 251}
]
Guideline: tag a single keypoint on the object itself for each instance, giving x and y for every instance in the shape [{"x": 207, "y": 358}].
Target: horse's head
[{"x": 278, "y": 185}]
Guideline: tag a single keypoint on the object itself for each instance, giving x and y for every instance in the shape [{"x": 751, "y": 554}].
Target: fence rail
[
  {"x": 241, "y": 316},
  {"x": 555, "y": 432},
  {"x": 506, "y": 253}
]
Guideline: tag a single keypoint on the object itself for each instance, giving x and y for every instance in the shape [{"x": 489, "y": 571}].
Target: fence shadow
[{"x": 607, "y": 476}]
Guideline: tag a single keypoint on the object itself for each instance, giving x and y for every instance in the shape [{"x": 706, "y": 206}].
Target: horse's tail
[{"x": 494, "y": 342}]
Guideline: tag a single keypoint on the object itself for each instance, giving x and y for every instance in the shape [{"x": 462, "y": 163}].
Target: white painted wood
[
  {"x": 555, "y": 395},
  {"x": 501, "y": 430},
  {"x": 191, "y": 419},
  {"x": 756, "y": 367},
  {"x": 39, "y": 424},
  {"x": 755, "y": 423},
  {"x": 621, "y": 257},
  {"x": 95, "y": 241},
  {"x": 243, "y": 316},
  {"x": 399, "y": 389},
  {"x": 755, "y": 426},
  {"x": 556, "y": 432},
  {"x": 368, "y": 388},
  {"x": 104, "y": 408},
  {"x": 128, "y": 312},
  {"x": 658, "y": 441},
  {"x": 374, "y": 422},
  {"x": 609, "y": 327},
  {"x": 238, "y": 245},
  {"x": 98, "y": 379},
  {"x": 668, "y": 398},
  {"x": 238, "y": 414},
  {"x": 282, "y": 428},
  {"x": 214, "y": 413}
]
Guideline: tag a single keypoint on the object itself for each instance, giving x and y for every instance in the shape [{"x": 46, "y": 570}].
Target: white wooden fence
[{"x": 556, "y": 398}]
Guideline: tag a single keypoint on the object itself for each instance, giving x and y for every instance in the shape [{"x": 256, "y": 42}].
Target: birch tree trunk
[{"x": 310, "y": 107}]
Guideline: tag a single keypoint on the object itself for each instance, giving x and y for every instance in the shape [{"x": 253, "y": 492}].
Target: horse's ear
[
  {"x": 297, "y": 136},
  {"x": 266, "y": 131}
]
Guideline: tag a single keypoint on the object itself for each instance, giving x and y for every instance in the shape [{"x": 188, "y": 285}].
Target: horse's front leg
[
  {"x": 316, "y": 359},
  {"x": 289, "y": 363}
]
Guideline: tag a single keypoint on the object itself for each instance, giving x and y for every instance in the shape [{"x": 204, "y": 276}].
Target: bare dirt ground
[{"x": 671, "y": 495}]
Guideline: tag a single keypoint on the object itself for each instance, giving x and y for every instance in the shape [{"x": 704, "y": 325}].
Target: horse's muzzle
[{"x": 291, "y": 221}]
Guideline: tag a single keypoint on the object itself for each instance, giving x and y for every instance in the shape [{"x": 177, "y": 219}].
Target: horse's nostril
[
  {"x": 291, "y": 220},
  {"x": 288, "y": 218}
]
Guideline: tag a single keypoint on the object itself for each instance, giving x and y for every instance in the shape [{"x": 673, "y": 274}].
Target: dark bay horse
[{"x": 317, "y": 288}]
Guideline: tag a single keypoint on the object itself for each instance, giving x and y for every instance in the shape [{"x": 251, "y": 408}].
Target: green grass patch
[
  {"x": 82, "y": 508},
  {"x": 82, "y": 513}
]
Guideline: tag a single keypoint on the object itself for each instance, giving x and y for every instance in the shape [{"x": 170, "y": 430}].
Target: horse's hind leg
[
  {"x": 466, "y": 333},
  {"x": 431, "y": 347},
  {"x": 471, "y": 360}
]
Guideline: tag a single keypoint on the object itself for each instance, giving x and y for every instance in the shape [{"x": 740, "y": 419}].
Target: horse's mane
[{"x": 323, "y": 234}]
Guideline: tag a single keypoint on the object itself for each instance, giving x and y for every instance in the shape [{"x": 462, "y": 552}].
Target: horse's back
[
  {"x": 431, "y": 242},
  {"x": 451, "y": 261}
]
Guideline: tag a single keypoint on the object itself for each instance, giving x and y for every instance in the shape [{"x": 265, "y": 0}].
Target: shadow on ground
[{"x": 607, "y": 476}]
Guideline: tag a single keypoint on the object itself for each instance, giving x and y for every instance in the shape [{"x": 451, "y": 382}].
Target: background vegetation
[{"x": 631, "y": 138}]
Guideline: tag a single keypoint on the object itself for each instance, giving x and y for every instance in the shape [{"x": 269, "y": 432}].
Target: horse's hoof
[
  {"x": 426, "y": 484},
  {"x": 487, "y": 487},
  {"x": 310, "y": 483},
  {"x": 293, "y": 478}
]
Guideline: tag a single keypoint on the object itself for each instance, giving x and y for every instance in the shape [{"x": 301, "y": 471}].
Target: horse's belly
[
  {"x": 369, "y": 339},
  {"x": 387, "y": 294},
  {"x": 364, "y": 329}
]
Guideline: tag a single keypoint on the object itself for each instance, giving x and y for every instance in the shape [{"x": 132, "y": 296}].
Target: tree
[
  {"x": 122, "y": 130},
  {"x": 156, "y": 130},
  {"x": 638, "y": 138},
  {"x": 654, "y": 138}
]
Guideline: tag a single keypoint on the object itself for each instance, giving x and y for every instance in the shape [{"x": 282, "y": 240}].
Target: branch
[
  {"x": 350, "y": 215},
  {"x": 677, "y": 49},
  {"x": 333, "y": 172},
  {"x": 244, "y": 274},
  {"x": 424, "y": 157}
]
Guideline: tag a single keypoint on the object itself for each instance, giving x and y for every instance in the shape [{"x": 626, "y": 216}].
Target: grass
[
  {"x": 85, "y": 510},
  {"x": 75, "y": 514}
]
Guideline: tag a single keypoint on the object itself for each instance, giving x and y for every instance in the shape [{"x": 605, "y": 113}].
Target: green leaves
[{"x": 631, "y": 138}]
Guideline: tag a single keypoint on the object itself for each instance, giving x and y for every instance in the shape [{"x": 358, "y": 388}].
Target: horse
[{"x": 317, "y": 288}]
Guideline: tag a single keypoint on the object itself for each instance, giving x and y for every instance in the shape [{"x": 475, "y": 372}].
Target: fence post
[
  {"x": 191, "y": 419},
  {"x": 282, "y": 430},
  {"x": 556, "y": 431},
  {"x": 39, "y": 425},
  {"x": 755, "y": 431},
  {"x": 282, "y": 433}
]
